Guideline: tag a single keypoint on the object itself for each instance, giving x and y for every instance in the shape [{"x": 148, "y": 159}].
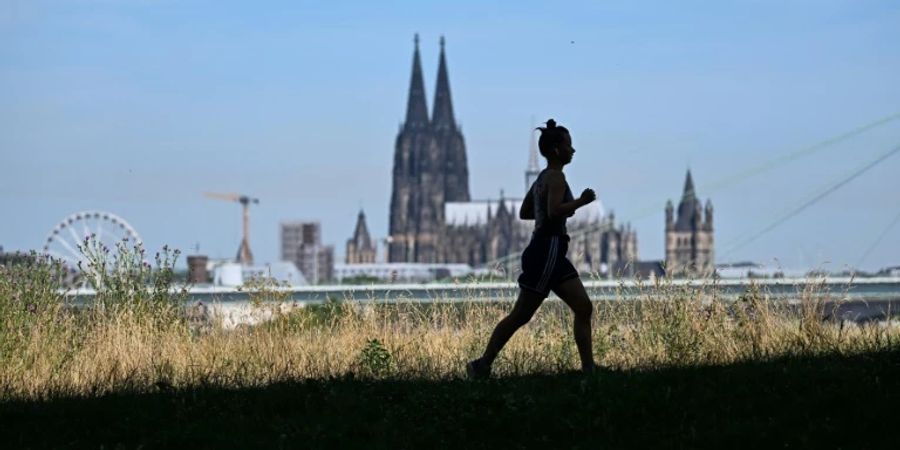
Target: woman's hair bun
[{"x": 551, "y": 137}]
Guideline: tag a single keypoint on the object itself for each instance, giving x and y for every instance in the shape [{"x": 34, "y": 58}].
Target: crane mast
[{"x": 244, "y": 255}]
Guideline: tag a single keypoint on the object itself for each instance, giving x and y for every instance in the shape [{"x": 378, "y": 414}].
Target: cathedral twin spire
[
  {"x": 443, "y": 105},
  {"x": 417, "y": 106}
]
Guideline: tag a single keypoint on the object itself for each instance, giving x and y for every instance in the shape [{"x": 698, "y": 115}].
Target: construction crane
[{"x": 244, "y": 255}]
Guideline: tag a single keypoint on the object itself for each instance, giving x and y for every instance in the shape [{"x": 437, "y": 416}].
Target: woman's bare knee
[{"x": 573, "y": 294}]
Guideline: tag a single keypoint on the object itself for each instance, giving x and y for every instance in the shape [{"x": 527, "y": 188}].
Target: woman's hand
[{"x": 587, "y": 196}]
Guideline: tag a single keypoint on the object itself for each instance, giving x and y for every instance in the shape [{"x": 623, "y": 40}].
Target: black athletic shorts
[{"x": 544, "y": 264}]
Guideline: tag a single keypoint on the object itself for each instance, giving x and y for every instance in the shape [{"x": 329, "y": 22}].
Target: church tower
[
  {"x": 689, "y": 236},
  {"x": 417, "y": 198},
  {"x": 410, "y": 145}
]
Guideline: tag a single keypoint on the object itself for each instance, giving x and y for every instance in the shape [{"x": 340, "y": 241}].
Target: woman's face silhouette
[{"x": 565, "y": 151}]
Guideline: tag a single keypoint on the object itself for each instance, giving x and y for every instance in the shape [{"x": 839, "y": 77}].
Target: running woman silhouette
[{"x": 545, "y": 267}]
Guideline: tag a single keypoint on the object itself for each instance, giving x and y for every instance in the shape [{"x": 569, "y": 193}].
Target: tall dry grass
[{"x": 142, "y": 339}]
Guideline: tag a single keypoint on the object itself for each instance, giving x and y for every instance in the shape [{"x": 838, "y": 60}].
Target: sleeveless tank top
[{"x": 544, "y": 225}]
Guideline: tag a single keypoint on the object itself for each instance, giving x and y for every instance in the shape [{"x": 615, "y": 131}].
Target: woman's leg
[
  {"x": 572, "y": 292},
  {"x": 527, "y": 303}
]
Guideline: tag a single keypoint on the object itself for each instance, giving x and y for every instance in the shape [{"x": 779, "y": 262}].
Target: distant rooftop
[{"x": 476, "y": 211}]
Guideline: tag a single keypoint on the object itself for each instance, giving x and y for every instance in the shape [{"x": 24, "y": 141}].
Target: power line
[
  {"x": 878, "y": 241},
  {"x": 765, "y": 166},
  {"x": 814, "y": 200}
]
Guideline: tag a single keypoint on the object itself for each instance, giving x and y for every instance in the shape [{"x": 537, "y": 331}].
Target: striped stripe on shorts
[{"x": 544, "y": 264}]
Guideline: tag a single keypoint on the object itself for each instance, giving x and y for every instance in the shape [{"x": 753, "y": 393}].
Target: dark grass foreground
[{"x": 826, "y": 402}]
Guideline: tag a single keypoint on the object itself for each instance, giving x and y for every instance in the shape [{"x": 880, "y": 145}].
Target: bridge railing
[{"x": 873, "y": 289}]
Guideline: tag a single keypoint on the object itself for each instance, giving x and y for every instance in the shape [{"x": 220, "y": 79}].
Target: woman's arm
[
  {"x": 556, "y": 208},
  {"x": 526, "y": 211}
]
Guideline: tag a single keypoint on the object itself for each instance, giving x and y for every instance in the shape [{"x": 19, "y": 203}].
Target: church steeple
[
  {"x": 443, "y": 105},
  {"x": 449, "y": 138},
  {"x": 688, "y": 207},
  {"x": 689, "y": 193},
  {"x": 533, "y": 155},
  {"x": 359, "y": 247},
  {"x": 361, "y": 234},
  {"x": 416, "y": 107},
  {"x": 533, "y": 169}
]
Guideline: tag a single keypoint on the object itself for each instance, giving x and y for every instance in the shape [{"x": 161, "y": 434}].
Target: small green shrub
[{"x": 375, "y": 359}]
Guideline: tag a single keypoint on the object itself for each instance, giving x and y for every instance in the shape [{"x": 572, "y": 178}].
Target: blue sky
[{"x": 138, "y": 107}]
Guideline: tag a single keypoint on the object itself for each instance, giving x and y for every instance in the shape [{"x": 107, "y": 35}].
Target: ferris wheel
[{"x": 100, "y": 229}]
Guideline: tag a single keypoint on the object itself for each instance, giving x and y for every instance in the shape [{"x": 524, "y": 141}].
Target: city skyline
[{"x": 91, "y": 127}]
